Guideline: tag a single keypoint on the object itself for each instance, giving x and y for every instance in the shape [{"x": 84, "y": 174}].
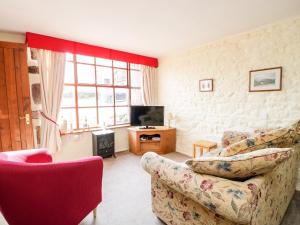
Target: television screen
[{"x": 147, "y": 115}]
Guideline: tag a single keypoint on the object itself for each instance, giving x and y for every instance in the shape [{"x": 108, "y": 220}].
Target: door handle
[{"x": 26, "y": 117}]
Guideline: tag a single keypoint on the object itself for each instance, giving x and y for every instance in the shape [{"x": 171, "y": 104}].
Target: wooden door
[{"x": 15, "y": 110}]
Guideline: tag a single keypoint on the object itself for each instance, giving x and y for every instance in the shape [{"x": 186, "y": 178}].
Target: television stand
[
  {"x": 161, "y": 140},
  {"x": 147, "y": 127}
]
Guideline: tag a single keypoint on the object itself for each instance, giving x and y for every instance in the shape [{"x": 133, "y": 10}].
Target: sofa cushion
[
  {"x": 263, "y": 130},
  {"x": 241, "y": 166},
  {"x": 279, "y": 138},
  {"x": 231, "y": 137}
]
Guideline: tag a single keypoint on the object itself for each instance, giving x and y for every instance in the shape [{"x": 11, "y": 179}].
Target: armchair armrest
[
  {"x": 73, "y": 186},
  {"x": 231, "y": 199},
  {"x": 29, "y": 156}
]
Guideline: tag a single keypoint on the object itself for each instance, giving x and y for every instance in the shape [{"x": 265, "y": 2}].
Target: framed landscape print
[
  {"x": 265, "y": 79},
  {"x": 206, "y": 85}
]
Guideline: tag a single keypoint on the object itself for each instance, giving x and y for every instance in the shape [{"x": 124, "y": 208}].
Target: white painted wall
[
  {"x": 76, "y": 146},
  {"x": 231, "y": 107},
  {"x": 12, "y": 37}
]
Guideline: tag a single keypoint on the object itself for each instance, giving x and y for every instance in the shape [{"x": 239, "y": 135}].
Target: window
[{"x": 99, "y": 91}]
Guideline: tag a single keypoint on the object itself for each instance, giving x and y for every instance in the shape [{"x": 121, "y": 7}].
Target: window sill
[{"x": 92, "y": 129}]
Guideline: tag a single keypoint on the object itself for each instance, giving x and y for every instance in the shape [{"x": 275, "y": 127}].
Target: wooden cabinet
[
  {"x": 15, "y": 110},
  {"x": 161, "y": 140}
]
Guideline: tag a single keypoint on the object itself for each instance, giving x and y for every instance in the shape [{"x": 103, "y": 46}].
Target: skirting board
[
  {"x": 122, "y": 150},
  {"x": 184, "y": 153}
]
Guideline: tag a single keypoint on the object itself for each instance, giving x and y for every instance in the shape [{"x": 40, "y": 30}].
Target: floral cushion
[
  {"x": 263, "y": 130},
  {"x": 231, "y": 137},
  {"x": 279, "y": 138},
  {"x": 242, "y": 165}
]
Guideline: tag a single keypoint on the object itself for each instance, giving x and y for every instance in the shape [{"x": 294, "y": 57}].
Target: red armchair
[{"x": 36, "y": 191}]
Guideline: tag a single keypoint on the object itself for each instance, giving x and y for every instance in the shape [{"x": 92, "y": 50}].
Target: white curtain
[
  {"x": 52, "y": 73},
  {"x": 149, "y": 85}
]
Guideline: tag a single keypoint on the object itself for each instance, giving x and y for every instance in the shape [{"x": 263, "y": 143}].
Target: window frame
[{"x": 97, "y": 86}]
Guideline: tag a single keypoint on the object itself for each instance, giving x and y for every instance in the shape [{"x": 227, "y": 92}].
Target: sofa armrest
[
  {"x": 274, "y": 190},
  {"x": 230, "y": 199}
]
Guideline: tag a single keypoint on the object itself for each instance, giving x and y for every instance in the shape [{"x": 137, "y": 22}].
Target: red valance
[{"x": 61, "y": 45}]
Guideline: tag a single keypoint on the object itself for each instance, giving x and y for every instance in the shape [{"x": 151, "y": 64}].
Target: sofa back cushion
[
  {"x": 241, "y": 166},
  {"x": 279, "y": 138},
  {"x": 263, "y": 130},
  {"x": 231, "y": 137}
]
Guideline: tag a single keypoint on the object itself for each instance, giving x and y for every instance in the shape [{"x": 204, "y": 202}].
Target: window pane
[
  {"x": 85, "y": 59},
  {"x": 69, "y": 57},
  {"x": 122, "y": 115},
  {"x": 86, "y": 96},
  {"x": 136, "y": 97},
  {"x": 105, "y": 96},
  {"x": 135, "y": 66},
  {"x": 87, "y": 117},
  {"x": 103, "y": 62},
  {"x": 68, "y": 97},
  {"x": 106, "y": 116},
  {"x": 121, "y": 96},
  {"x": 85, "y": 74},
  {"x": 120, "y": 64},
  {"x": 104, "y": 75},
  {"x": 70, "y": 116},
  {"x": 69, "y": 73},
  {"x": 120, "y": 77},
  {"x": 135, "y": 78}
]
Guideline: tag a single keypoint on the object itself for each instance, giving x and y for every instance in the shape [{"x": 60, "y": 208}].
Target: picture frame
[
  {"x": 269, "y": 79},
  {"x": 206, "y": 85}
]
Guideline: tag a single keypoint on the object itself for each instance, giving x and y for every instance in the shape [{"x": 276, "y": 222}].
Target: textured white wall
[{"x": 228, "y": 61}]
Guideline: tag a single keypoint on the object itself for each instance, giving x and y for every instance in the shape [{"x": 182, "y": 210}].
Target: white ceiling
[{"x": 150, "y": 27}]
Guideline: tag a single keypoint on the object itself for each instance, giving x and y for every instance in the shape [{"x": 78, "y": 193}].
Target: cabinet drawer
[{"x": 150, "y": 146}]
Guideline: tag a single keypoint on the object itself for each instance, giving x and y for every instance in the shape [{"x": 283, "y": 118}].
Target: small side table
[{"x": 204, "y": 145}]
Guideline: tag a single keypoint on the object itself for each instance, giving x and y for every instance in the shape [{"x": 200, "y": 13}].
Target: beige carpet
[{"x": 126, "y": 193}]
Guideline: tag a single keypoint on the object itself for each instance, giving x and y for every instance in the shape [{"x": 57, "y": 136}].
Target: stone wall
[
  {"x": 231, "y": 106},
  {"x": 35, "y": 93}
]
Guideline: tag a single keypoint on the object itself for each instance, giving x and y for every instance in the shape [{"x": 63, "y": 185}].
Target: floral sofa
[{"x": 183, "y": 197}]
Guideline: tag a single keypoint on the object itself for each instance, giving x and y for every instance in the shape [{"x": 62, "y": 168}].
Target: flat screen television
[{"x": 147, "y": 116}]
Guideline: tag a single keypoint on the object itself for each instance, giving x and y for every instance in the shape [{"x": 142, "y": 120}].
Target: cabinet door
[{"x": 15, "y": 109}]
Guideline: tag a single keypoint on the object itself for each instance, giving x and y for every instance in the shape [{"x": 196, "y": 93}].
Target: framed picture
[
  {"x": 206, "y": 85},
  {"x": 265, "y": 79}
]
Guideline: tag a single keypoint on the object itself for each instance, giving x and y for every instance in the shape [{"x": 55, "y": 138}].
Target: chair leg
[
  {"x": 201, "y": 151},
  {"x": 95, "y": 212}
]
